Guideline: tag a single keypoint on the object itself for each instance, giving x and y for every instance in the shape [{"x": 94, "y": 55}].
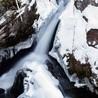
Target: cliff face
[{"x": 76, "y": 43}]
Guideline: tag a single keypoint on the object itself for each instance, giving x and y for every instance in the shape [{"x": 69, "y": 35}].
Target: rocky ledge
[{"x": 16, "y": 27}]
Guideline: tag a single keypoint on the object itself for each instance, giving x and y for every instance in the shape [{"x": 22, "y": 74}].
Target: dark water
[
  {"x": 6, "y": 65},
  {"x": 69, "y": 90}
]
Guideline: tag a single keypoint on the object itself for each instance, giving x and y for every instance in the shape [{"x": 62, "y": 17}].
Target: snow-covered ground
[
  {"x": 40, "y": 83},
  {"x": 72, "y": 38}
]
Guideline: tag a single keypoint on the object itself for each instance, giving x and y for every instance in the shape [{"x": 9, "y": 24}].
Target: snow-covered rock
[
  {"x": 75, "y": 45},
  {"x": 20, "y": 24},
  {"x": 38, "y": 82},
  {"x": 44, "y": 8}
]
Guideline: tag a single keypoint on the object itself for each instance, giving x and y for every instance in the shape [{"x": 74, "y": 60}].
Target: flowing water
[{"x": 39, "y": 54}]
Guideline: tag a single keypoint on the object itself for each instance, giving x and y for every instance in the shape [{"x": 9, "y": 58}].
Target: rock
[
  {"x": 9, "y": 15},
  {"x": 17, "y": 30},
  {"x": 36, "y": 82},
  {"x": 14, "y": 31},
  {"x": 92, "y": 37},
  {"x": 82, "y": 70}
]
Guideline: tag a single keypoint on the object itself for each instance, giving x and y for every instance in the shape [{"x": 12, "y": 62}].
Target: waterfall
[
  {"x": 43, "y": 45},
  {"x": 39, "y": 54}
]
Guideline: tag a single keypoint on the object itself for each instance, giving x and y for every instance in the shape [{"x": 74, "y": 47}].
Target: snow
[
  {"x": 40, "y": 83},
  {"x": 2, "y": 20},
  {"x": 44, "y": 8},
  {"x": 24, "y": 2},
  {"x": 45, "y": 89},
  {"x": 7, "y": 79},
  {"x": 68, "y": 11},
  {"x": 31, "y": 3},
  {"x": 67, "y": 27},
  {"x": 72, "y": 38},
  {"x": 16, "y": 48},
  {"x": 91, "y": 14}
]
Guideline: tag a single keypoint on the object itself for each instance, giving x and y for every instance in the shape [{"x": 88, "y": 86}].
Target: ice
[
  {"x": 73, "y": 39},
  {"x": 41, "y": 84}
]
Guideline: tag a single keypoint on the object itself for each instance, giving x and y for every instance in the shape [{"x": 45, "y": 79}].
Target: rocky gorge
[{"x": 72, "y": 28}]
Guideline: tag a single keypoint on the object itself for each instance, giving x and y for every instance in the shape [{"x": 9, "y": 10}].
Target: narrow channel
[{"x": 39, "y": 54}]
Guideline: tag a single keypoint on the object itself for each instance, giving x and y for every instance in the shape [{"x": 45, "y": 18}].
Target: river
[{"x": 40, "y": 54}]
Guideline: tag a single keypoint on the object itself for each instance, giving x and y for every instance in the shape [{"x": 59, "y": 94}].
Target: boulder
[{"x": 16, "y": 28}]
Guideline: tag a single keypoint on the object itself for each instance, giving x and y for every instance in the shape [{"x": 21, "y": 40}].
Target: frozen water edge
[
  {"x": 72, "y": 78},
  {"x": 10, "y": 53},
  {"x": 40, "y": 82}
]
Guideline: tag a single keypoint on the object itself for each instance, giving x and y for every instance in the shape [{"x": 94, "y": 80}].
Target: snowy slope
[
  {"x": 45, "y": 9},
  {"x": 71, "y": 39},
  {"x": 40, "y": 83}
]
